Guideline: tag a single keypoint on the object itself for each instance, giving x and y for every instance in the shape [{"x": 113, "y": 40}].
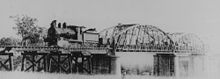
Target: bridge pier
[
  {"x": 164, "y": 65},
  {"x": 58, "y": 62},
  {"x": 178, "y": 64},
  {"x": 33, "y": 61},
  {"x": 189, "y": 64},
  {"x": 81, "y": 62},
  {"x": 6, "y": 63},
  {"x": 104, "y": 64}
]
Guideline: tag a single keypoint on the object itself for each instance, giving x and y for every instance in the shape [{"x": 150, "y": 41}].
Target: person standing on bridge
[{"x": 52, "y": 34}]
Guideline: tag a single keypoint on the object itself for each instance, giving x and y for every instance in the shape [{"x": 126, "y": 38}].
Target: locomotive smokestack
[
  {"x": 59, "y": 25},
  {"x": 53, "y": 23},
  {"x": 64, "y": 25}
]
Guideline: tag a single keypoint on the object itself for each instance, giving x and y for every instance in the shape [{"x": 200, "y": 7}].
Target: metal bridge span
[
  {"x": 150, "y": 49},
  {"x": 148, "y": 38}
]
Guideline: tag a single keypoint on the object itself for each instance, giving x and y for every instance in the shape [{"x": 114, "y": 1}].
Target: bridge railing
[
  {"x": 145, "y": 48},
  {"x": 159, "y": 48},
  {"x": 46, "y": 48}
]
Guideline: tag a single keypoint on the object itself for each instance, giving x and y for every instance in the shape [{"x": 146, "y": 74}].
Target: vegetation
[
  {"x": 28, "y": 29},
  {"x": 9, "y": 41}
]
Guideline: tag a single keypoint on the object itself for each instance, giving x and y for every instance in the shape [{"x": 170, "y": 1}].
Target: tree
[
  {"x": 9, "y": 41},
  {"x": 27, "y": 28}
]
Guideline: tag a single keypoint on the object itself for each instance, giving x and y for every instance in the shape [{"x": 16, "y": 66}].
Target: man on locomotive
[{"x": 52, "y": 34}]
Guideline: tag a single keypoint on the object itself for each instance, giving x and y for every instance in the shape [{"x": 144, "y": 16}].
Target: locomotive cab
[{"x": 91, "y": 37}]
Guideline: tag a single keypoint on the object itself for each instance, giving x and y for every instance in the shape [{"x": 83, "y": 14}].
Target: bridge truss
[{"x": 139, "y": 38}]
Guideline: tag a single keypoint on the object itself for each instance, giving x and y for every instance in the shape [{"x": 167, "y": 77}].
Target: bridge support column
[
  {"x": 33, "y": 60},
  {"x": 176, "y": 63},
  {"x": 164, "y": 65},
  {"x": 3, "y": 62},
  {"x": 59, "y": 63},
  {"x": 81, "y": 63},
  {"x": 117, "y": 67}
]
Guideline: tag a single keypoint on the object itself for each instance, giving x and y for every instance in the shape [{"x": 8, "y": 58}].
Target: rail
[{"x": 45, "y": 48}]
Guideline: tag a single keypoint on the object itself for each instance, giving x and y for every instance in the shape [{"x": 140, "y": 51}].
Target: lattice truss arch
[
  {"x": 136, "y": 36},
  {"x": 187, "y": 41}
]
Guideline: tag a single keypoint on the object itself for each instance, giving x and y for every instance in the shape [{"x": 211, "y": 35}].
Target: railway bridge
[{"x": 131, "y": 48}]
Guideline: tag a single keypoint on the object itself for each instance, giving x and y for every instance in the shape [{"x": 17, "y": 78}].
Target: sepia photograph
[{"x": 109, "y": 39}]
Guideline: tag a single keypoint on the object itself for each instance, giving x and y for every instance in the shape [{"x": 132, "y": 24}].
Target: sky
[{"x": 201, "y": 17}]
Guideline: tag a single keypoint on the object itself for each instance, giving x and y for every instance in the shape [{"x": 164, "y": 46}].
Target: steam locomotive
[
  {"x": 63, "y": 35},
  {"x": 71, "y": 36}
]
